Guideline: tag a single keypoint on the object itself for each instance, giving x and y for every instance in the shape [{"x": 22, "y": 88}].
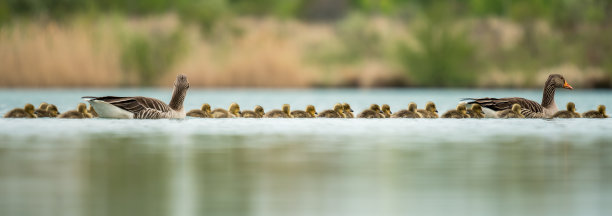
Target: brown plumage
[
  {"x": 42, "y": 109},
  {"x": 233, "y": 112},
  {"x": 386, "y": 110},
  {"x": 258, "y": 112},
  {"x": 599, "y": 113},
  {"x": 430, "y": 111},
  {"x": 373, "y": 112},
  {"x": 460, "y": 112},
  {"x": 569, "y": 113},
  {"x": 310, "y": 112},
  {"x": 79, "y": 113},
  {"x": 411, "y": 112},
  {"x": 337, "y": 112},
  {"x": 476, "y": 111},
  {"x": 515, "y": 112},
  {"x": 26, "y": 112},
  {"x": 284, "y": 113},
  {"x": 348, "y": 111},
  {"x": 203, "y": 112},
  {"x": 50, "y": 111},
  {"x": 530, "y": 109}
]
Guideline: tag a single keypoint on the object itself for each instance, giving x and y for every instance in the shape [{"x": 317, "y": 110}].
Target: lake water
[{"x": 334, "y": 167}]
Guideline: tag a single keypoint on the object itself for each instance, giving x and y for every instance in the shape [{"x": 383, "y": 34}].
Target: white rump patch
[{"x": 107, "y": 110}]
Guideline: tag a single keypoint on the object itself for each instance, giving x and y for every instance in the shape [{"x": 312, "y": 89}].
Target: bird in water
[
  {"x": 310, "y": 112},
  {"x": 460, "y": 112},
  {"x": 372, "y": 112},
  {"x": 284, "y": 113},
  {"x": 79, "y": 113},
  {"x": 337, "y": 112},
  {"x": 515, "y": 112},
  {"x": 258, "y": 112},
  {"x": 476, "y": 111},
  {"x": 26, "y": 112},
  {"x": 569, "y": 113},
  {"x": 599, "y": 113},
  {"x": 411, "y": 112},
  {"x": 430, "y": 110},
  {"x": 203, "y": 112}
]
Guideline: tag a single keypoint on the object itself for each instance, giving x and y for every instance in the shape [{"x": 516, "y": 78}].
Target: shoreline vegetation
[{"x": 303, "y": 44}]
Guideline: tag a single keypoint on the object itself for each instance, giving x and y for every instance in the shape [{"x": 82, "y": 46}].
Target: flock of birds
[{"x": 151, "y": 108}]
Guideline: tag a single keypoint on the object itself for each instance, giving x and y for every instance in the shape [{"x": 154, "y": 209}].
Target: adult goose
[
  {"x": 529, "y": 108},
  {"x": 143, "y": 107}
]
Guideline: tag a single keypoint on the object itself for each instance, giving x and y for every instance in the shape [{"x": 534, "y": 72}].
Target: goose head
[
  {"x": 412, "y": 107},
  {"x": 571, "y": 107},
  {"x": 558, "y": 81},
  {"x": 347, "y": 107},
  {"x": 52, "y": 110},
  {"x": 259, "y": 111},
  {"x": 476, "y": 108},
  {"x": 431, "y": 107},
  {"x": 287, "y": 109},
  {"x": 310, "y": 109},
  {"x": 386, "y": 109},
  {"x": 29, "y": 108},
  {"x": 462, "y": 109},
  {"x": 375, "y": 108},
  {"x": 181, "y": 82},
  {"x": 234, "y": 109}
]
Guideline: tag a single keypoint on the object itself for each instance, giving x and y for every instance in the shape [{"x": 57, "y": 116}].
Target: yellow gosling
[
  {"x": 515, "y": 112},
  {"x": 310, "y": 112},
  {"x": 79, "y": 113},
  {"x": 411, "y": 112},
  {"x": 476, "y": 111},
  {"x": 430, "y": 111},
  {"x": 26, "y": 112},
  {"x": 386, "y": 110},
  {"x": 337, "y": 112},
  {"x": 203, "y": 112},
  {"x": 348, "y": 111},
  {"x": 234, "y": 111},
  {"x": 373, "y": 112},
  {"x": 460, "y": 112},
  {"x": 569, "y": 113},
  {"x": 258, "y": 112},
  {"x": 284, "y": 113},
  {"x": 599, "y": 113}
]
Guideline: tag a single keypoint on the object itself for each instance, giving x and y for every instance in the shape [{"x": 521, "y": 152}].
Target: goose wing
[
  {"x": 499, "y": 104},
  {"x": 134, "y": 104}
]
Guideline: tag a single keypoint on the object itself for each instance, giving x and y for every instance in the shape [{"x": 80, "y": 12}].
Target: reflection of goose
[
  {"x": 386, "y": 110},
  {"x": 79, "y": 113},
  {"x": 143, "y": 107},
  {"x": 373, "y": 112},
  {"x": 430, "y": 111},
  {"x": 337, "y": 112},
  {"x": 348, "y": 112},
  {"x": 310, "y": 112},
  {"x": 411, "y": 112},
  {"x": 569, "y": 113},
  {"x": 515, "y": 112},
  {"x": 258, "y": 112},
  {"x": 460, "y": 112},
  {"x": 234, "y": 111},
  {"x": 203, "y": 112},
  {"x": 26, "y": 112},
  {"x": 530, "y": 109},
  {"x": 476, "y": 111},
  {"x": 599, "y": 113},
  {"x": 284, "y": 113}
]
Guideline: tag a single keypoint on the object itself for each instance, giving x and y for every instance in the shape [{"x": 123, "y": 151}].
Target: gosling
[
  {"x": 258, "y": 112},
  {"x": 430, "y": 110},
  {"x": 348, "y": 112},
  {"x": 411, "y": 112},
  {"x": 203, "y": 112},
  {"x": 476, "y": 111},
  {"x": 310, "y": 112},
  {"x": 41, "y": 108},
  {"x": 49, "y": 111},
  {"x": 569, "y": 113},
  {"x": 515, "y": 112},
  {"x": 460, "y": 112},
  {"x": 79, "y": 113},
  {"x": 284, "y": 113},
  {"x": 599, "y": 113},
  {"x": 26, "y": 112},
  {"x": 92, "y": 111},
  {"x": 386, "y": 111},
  {"x": 337, "y": 112},
  {"x": 234, "y": 111},
  {"x": 373, "y": 112}
]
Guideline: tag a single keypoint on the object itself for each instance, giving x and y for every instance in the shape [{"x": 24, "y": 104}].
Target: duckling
[
  {"x": 203, "y": 112},
  {"x": 348, "y": 112},
  {"x": 42, "y": 107},
  {"x": 285, "y": 113},
  {"x": 599, "y": 113},
  {"x": 26, "y": 112},
  {"x": 476, "y": 111},
  {"x": 569, "y": 113},
  {"x": 515, "y": 112},
  {"x": 49, "y": 110},
  {"x": 411, "y": 112},
  {"x": 52, "y": 111},
  {"x": 92, "y": 111},
  {"x": 430, "y": 111},
  {"x": 386, "y": 111},
  {"x": 258, "y": 112},
  {"x": 234, "y": 111},
  {"x": 373, "y": 112},
  {"x": 337, "y": 112},
  {"x": 460, "y": 112},
  {"x": 79, "y": 113},
  {"x": 310, "y": 112}
]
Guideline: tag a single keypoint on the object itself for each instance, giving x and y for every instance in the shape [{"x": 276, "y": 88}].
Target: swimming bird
[
  {"x": 430, "y": 111},
  {"x": 476, "y": 111},
  {"x": 49, "y": 111},
  {"x": 203, "y": 112},
  {"x": 530, "y": 109},
  {"x": 411, "y": 112},
  {"x": 569, "y": 113},
  {"x": 92, "y": 111},
  {"x": 258, "y": 112},
  {"x": 310, "y": 112},
  {"x": 79, "y": 113},
  {"x": 284, "y": 113},
  {"x": 348, "y": 112},
  {"x": 143, "y": 107},
  {"x": 599, "y": 113},
  {"x": 337, "y": 112},
  {"x": 42, "y": 107},
  {"x": 373, "y": 112},
  {"x": 515, "y": 112},
  {"x": 460, "y": 112},
  {"x": 26, "y": 112},
  {"x": 233, "y": 112},
  {"x": 386, "y": 111}
]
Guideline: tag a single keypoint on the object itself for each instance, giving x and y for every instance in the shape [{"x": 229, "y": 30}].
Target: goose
[
  {"x": 232, "y": 112},
  {"x": 203, "y": 112},
  {"x": 530, "y": 109},
  {"x": 476, "y": 111},
  {"x": 373, "y": 112},
  {"x": 92, "y": 111},
  {"x": 143, "y": 107},
  {"x": 348, "y": 112},
  {"x": 599, "y": 113},
  {"x": 411, "y": 112},
  {"x": 337, "y": 112},
  {"x": 284, "y": 113},
  {"x": 310, "y": 112},
  {"x": 460, "y": 112},
  {"x": 79, "y": 113},
  {"x": 515, "y": 112},
  {"x": 386, "y": 111},
  {"x": 430, "y": 111},
  {"x": 258, "y": 112},
  {"x": 26, "y": 112},
  {"x": 569, "y": 113}
]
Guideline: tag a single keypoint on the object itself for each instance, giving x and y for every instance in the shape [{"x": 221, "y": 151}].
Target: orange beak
[{"x": 567, "y": 86}]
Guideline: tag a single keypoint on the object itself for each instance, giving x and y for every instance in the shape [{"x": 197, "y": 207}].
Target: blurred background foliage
[{"x": 305, "y": 43}]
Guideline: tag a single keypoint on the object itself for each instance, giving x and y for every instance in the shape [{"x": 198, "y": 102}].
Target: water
[{"x": 305, "y": 166}]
